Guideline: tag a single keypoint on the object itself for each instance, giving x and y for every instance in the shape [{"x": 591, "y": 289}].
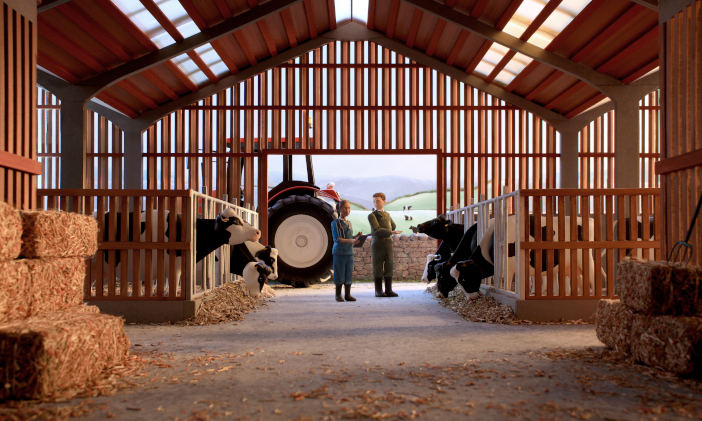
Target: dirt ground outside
[{"x": 305, "y": 356}]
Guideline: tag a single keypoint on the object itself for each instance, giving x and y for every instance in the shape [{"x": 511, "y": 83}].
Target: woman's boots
[
  {"x": 347, "y": 293},
  {"x": 379, "y": 287},
  {"x": 338, "y": 293}
]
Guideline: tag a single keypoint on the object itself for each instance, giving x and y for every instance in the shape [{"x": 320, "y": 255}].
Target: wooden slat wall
[
  {"x": 105, "y": 149},
  {"x": 346, "y": 104},
  {"x": 681, "y": 155},
  {"x": 569, "y": 262},
  {"x": 597, "y": 143},
  {"x": 18, "y": 147},
  {"x": 49, "y": 139}
]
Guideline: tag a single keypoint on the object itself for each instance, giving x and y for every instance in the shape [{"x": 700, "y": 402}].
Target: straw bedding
[
  {"x": 58, "y": 234},
  {"x": 15, "y": 288},
  {"x": 41, "y": 356},
  {"x": 613, "y": 324},
  {"x": 652, "y": 287},
  {"x": 10, "y": 232},
  {"x": 228, "y": 302},
  {"x": 671, "y": 343},
  {"x": 56, "y": 284}
]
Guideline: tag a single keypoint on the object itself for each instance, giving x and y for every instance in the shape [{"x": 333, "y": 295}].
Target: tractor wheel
[{"x": 300, "y": 228}]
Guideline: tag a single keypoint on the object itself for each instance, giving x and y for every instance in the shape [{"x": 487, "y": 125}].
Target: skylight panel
[
  {"x": 525, "y": 14},
  {"x": 175, "y": 12},
  {"x": 505, "y": 77},
  {"x": 360, "y": 10},
  {"x": 145, "y": 21},
  {"x": 208, "y": 54},
  {"x": 190, "y": 68},
  {"x": 564, "y": 14},
  {"x": 491, "y": 58},
  {"x": 342, "y": 8}
]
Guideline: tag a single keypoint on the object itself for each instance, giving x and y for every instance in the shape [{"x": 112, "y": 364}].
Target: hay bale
[
  {"x": 56, "y": 284},
  {"x": 58, "y": 234},
  {"x": 15, "y": 287},
  {"x": 671, "y": 343},
  {"x": 42, "y": 357},
  {"x": 10, "y": 232},
  {"x": 657, "y": 288},
  {"x": 613, "y": 324}
]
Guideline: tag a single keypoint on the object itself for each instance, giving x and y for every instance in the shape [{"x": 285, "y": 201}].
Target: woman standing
[{"x": 342, "y": 234}]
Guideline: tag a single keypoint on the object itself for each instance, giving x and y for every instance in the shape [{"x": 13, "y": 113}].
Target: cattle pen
[
  {"x": 556, "y": 250},
  {"x": 162, "y": 281}
]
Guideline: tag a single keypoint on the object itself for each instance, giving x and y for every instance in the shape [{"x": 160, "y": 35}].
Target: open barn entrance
[{"x": 304, "y": 189}]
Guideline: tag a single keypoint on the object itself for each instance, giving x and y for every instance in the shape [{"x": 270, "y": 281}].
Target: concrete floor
[{"x": 305, "y": 356}]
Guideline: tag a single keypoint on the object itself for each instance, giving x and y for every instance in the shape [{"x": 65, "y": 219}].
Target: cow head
[
  {"x": 255, "y": 275},
  {"x": 269, "y": 256},
  {"x": 444, "y": 282},
  {"x": 435, "y": 228},
  {"x": 468, "y": 275},
  {"x": 429, "y": 273},
  {"x": 238, "y": 229}
]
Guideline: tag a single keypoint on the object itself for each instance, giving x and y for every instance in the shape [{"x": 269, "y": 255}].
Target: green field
[{"x": 359, "y": 219}]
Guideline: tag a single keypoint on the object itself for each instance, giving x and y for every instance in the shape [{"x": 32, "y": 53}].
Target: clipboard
[{"x": 361, "y": 238}]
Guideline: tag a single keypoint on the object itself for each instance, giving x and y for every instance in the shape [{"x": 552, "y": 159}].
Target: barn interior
[{"x": 574, "y": 125}]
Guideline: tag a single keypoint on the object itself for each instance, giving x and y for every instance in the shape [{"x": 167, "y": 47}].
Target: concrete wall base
[
  {"x": 546, "y": 310},
  {"x": 150, "y": 311}
]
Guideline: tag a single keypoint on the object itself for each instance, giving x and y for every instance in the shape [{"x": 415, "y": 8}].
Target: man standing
[{"x": 382, "y": 229}]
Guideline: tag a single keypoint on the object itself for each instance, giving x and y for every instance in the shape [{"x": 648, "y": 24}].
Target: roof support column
[
  {"x": 569, "y": 158},
  {"x": 626, "y": 141},
  {"x": 74, "y": 131},
  {"x": 133, "y": 159}
]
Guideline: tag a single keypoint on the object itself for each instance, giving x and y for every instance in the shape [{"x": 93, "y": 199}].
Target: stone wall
[{"x": 410, "y": 252}]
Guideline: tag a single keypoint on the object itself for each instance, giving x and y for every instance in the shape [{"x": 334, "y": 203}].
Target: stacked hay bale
[
  {"x": 659, "y": 317},
  {"x": 50, "y": 341}
]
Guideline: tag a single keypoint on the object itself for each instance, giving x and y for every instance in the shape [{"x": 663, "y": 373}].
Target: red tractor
[{"x": 299, "y": 226}]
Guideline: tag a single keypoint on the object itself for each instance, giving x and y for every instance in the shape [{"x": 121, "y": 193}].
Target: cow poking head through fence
[
  {"x": 469, "y": 273},
  {"x": 226, "y": 228},
  {"x": 256, "y": 263}
]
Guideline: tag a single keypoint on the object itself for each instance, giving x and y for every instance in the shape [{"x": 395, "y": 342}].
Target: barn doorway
[{"x": 303, "y": 190}]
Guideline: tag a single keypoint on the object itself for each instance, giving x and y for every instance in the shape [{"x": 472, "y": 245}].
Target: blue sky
[{"x": 331, "y": 167}]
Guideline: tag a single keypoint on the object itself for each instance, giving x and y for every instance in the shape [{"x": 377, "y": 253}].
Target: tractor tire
[{"x": 300, "y": 228}]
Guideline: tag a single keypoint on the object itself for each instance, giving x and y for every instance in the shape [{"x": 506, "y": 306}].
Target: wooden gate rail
[
  {"x": 158, "y": 267},
  {"x": 580, "y": 235}
]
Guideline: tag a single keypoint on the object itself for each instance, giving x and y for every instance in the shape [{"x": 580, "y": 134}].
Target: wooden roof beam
[
  {"x": 310, "y": 19},
  {"x": 590, "y": 76},
  {"x": 469, "y": 79},
  {"x": 94, "y": 30},
  {"x": 57, "y": 38},
  {"x": 506, "y": 16},
  {"x": 216, "y": 44},
  {"x": 528, "y": 32},
  {"x": 149, "y": 117},
  {"x": 414, "y": 27},
  {"x": 228, "y": 26},
  {"x": 289, "y": 27},
  {"x": 392, "y": 21}
]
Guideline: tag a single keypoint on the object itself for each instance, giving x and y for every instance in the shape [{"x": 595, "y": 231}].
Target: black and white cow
[
  {"x": 469, "y": 273},
  {"x": 255, "y": 262},
  {"x": 455, "y": 245},
  {"x": 226, "y": 228}
]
